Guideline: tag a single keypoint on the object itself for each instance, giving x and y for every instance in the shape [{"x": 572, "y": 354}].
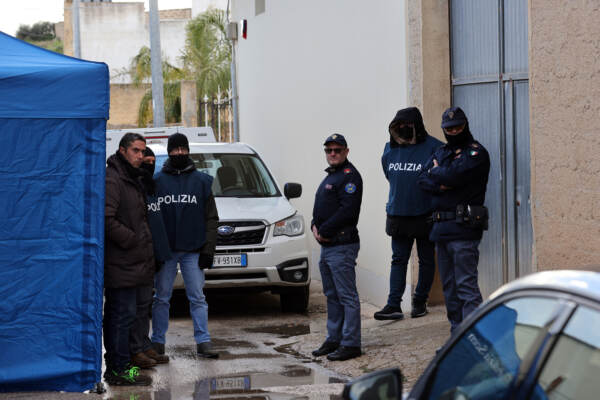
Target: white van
[{"x": 262, "y": 241}]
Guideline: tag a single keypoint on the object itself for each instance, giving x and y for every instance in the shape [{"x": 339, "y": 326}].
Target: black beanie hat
[
  {"x": 177, "y": 140},
  {"x": 148, "y": 152}
]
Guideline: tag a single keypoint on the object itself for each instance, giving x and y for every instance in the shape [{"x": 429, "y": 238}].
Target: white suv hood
[{"x": 271, "y": 209}]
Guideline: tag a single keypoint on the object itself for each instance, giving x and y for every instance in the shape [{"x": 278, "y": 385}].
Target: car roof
[
  {"x": 233, "y": 148},
  {"x": 582, "y": 283}
]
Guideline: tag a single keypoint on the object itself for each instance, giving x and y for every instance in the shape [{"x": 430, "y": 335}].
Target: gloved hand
[{"x": 205, "y": 261}]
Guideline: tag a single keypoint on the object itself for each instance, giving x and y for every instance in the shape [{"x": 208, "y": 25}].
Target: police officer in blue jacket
[
  {"x": 408, "y": 210},
  {"x": 456, "y": 176},
  {"x": 335, "y": 216},
  {"x": 190, "y": 217}
]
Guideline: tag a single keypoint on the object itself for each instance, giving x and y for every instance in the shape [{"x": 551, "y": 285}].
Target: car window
[
  {"x": 573, "y": 368},
  {"x": 484, "y": 361},
  {"x": 235, "y": 175}
]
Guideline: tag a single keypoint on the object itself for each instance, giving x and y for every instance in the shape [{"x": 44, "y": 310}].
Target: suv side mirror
[
  {"x": 384, "y": 384},
  {"x": 292, "y": 190}
]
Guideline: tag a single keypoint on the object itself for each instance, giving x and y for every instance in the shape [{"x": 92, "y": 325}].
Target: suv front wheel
[{"x": 294, "y": 299}]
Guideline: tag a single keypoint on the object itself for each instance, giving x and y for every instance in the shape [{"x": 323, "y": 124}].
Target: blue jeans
[
  {"x": 193, "y": 277},
  {"x": 401, "y": 248},
  {"x": 119, "y": 316},
  {"x": 457, "y": 260},
  {"x": 339, "y": 286}
]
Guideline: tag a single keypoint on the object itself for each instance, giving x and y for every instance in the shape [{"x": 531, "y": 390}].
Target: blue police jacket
[
  {"x": 181, "y": 196},
  {"x": 460, "y": 178},
  {"x": 401, "y": 166},
  {"x": 337, "y": 205}
]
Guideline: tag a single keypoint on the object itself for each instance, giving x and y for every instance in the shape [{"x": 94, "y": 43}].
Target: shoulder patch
[
  {"x": 350, "y": 188},
  {"x": 473, "y": 153},
  {"x": 347, "y": 170}
]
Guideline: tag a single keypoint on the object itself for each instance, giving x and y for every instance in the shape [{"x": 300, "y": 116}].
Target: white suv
[{"x": 262, "y": 242}]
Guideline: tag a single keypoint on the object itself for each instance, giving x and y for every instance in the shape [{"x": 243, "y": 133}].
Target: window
[
  {"x": 484, "y": 361},
  {"x": 259, "y": 7},
  {"x": 573, "y": 368}
]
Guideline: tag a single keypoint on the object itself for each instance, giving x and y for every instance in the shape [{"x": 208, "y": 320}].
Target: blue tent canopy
[{"x": 53, "y": 112}]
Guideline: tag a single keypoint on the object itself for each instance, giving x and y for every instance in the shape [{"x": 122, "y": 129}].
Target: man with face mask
[
  {"x": 189, "y": 213},
  {"x": 408, "y": 209},
  {"x": 456, "y": 176}
]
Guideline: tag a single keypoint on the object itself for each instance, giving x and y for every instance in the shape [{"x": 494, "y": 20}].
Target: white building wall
[
  {"x": 199, "y": 6},
  {"x": 311, "y": 68}
]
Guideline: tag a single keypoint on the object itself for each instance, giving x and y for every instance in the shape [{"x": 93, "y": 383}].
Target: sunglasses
[{"x": 336, "y": 150}]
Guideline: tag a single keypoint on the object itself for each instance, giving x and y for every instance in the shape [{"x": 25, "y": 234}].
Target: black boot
[
  {"x": 326, "y": 348},
  {"x": 419, "y": 308},
  {"x": 205, "y": 350},
  {"x": 344, "y": 353}
]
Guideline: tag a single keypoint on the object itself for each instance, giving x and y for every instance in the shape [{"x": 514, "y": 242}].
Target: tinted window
[
  {"x": 573, "y": 369},
  {"x": 484, "y": 361},
  {"x": 235, "y": 175}
]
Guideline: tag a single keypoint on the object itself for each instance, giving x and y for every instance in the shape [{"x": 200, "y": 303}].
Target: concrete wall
[
  {"x": 312, "y": 68},
  {"x": 124, "y": 105},
  {"x": 564, "y": 40}
]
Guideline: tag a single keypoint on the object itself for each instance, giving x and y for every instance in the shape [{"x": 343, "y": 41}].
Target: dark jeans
[
  {"x": 120, "y": 312},
  {"x": 138, "y": 335},
  {"x": 457, "y": 260},
  {"x": 401, "y": 248}
]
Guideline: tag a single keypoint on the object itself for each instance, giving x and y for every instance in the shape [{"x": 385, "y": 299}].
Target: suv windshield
[{"x": 235, "y": 175}]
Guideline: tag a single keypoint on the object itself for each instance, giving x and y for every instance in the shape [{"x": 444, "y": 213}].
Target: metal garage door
[{"x": 490, "y": 82}]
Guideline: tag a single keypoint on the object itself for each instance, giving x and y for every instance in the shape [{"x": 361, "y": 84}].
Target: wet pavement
[{"x": 265, "y": 354}]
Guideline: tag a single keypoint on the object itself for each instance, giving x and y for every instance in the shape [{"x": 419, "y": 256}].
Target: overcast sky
[{"x": 28, "y": 12}]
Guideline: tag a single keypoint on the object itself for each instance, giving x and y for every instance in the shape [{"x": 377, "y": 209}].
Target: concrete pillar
[
  {"x": 189, "y": 104},
  {"x": 68, "y": 29}
]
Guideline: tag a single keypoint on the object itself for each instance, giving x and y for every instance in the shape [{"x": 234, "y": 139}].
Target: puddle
[
  {"x": 224, "y": 343},
  {"x": 238, "y": 386},
  {"x": 283, "y": 331}
]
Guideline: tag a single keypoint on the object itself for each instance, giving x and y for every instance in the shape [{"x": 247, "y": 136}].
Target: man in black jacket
[
  {"x": 189, "y": 212},
  {"x": 128, "y": 258},
  {"x": 335, "y": 216}
]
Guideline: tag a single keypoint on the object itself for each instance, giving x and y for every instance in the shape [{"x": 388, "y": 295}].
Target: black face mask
[
  {"x": 179, "y": 161},
  {"x": 457, "y": 140},
  {"x": 405, "y": 133},
  {"x": 149, "y": 168}
]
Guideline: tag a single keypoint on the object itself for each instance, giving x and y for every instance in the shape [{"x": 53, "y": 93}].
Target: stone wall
[{"x": 565, "y": 143}]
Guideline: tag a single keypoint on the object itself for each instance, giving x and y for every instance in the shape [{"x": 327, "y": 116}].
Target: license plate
[
  {"x": 227, "y": 384},
  {"x": 230, "y": 260}
]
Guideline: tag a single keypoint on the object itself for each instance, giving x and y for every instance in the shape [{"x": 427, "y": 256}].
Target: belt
[{"x": 438, "y": 216}]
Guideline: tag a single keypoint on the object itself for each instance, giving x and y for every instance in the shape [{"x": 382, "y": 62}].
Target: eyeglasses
[{"x": 336, "y": 150}]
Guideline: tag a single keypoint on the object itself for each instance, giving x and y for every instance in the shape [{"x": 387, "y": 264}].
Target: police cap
[
  {"x": 336, "y": 138},
  {"x": 453, "y": 116}
]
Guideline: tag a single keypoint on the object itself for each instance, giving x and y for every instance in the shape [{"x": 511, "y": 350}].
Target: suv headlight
[{"x": 292, "y": 226}]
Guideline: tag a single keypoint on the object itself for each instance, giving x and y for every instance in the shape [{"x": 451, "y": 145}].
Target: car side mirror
[
  {"x": 292, "y": 190},
  {"x": 385, "y": 384}
]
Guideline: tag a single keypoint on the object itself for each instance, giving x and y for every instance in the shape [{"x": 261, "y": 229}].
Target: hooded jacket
[
  {"x": 128, "y": 254},
  {"x": 401, "y": 165},
  {"x": 188, "y": 208}
]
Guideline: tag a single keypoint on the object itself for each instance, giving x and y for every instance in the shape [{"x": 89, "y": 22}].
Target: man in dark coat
[
  {"x": 408, "y": 210},
  {"x": 128, "y": 258}
]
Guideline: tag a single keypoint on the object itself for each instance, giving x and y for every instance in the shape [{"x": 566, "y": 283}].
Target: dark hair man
[
  {"x": 190, "y": 216},
  {"x": 456, "y": 176},
  {"x": 128, "y": 259},
  {"x": 408, "y": 210},
  {"x": 335, "y": 216}
]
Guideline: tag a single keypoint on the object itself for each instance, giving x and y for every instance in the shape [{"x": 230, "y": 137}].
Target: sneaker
[
  {"x": 326, "y": 348},
  {"x": 143, "y": 361},
  {"x": 158, "y": 347},
  {"x": 344, "y": 353},
  {"x": 419, "y": 308},
  {"x": 130, "y": 376},
  {"x": 205, "y": 350},
  {"x": 159, "y": 358},
  {"x": 389, "y": 312}
]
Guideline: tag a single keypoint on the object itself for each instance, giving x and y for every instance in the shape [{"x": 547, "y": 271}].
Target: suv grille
[{"x": 246, "y": 232}]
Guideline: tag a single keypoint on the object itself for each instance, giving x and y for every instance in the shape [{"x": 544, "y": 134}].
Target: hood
[
  {"x": 412, "y": 115},
  {"x": 270, "y": 209}
]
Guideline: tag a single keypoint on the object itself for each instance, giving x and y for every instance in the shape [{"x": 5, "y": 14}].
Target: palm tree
[{"x": 206, "y": 60}]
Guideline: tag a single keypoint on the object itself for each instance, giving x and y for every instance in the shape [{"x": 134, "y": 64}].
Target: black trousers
[{"x": 139, "y": 340}]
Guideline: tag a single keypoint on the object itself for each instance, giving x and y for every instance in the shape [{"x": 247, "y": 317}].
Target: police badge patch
[
  {"x": 350, "y": 188},
  {"x": 347, "y": 170}
]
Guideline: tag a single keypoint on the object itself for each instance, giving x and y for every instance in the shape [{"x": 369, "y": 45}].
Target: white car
[{"x": 262, "y": 242}]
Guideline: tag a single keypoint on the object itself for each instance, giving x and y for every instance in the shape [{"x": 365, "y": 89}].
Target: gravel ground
[{"x": 409, "y": 344}]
